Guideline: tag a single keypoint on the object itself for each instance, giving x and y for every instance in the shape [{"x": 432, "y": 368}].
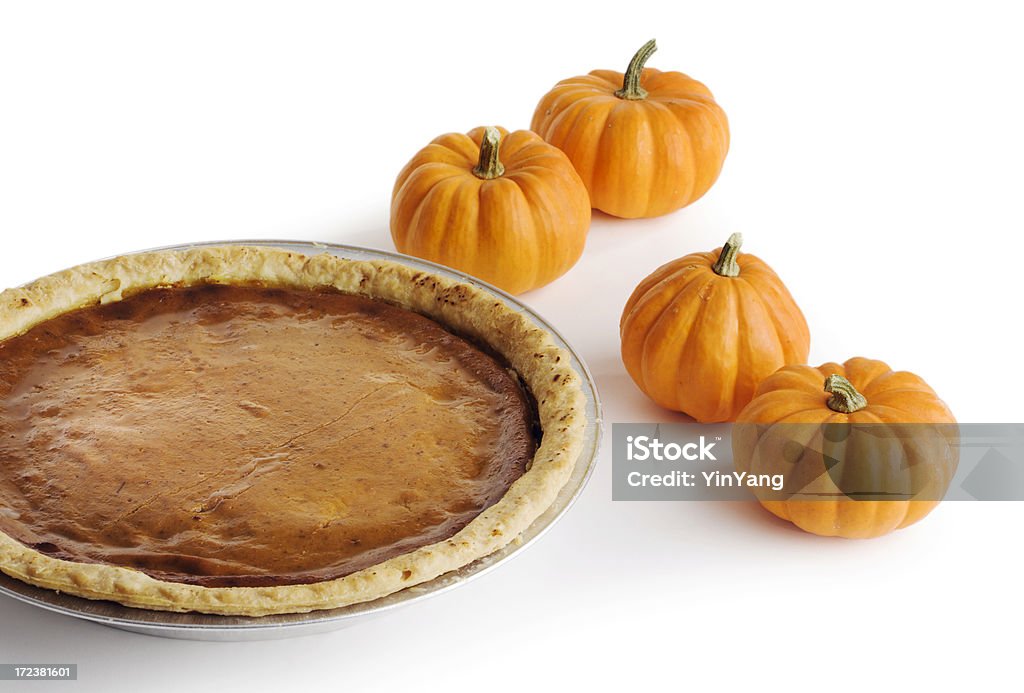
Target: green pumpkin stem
[
  {"x": 726, "y": 265},
  {"x": 489, "y": 165},
  {"x": 845, "y": 399},
  {"x": 631, "y": 89}
]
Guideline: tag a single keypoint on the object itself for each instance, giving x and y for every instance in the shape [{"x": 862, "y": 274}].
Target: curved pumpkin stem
[
  {"x": 489, "y": 166},
  {"x": 631, "y": 89},
  {"x": 726, "y": 265},
  {"x": 845, "y": 399}
]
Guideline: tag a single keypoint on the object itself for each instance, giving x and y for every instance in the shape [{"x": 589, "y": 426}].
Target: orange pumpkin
[
  {"x": 866, "y": 450},
  {"x": 507, "y": 208},
  {"x": 701, "y": 332},
  {"x": 645, "y": 142}
]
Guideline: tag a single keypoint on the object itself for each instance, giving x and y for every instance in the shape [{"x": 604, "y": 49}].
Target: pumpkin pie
[{"x": 245, "y": 430}]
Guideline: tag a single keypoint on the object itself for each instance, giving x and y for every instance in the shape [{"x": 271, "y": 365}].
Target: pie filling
[{"x": 248, "y": 436}]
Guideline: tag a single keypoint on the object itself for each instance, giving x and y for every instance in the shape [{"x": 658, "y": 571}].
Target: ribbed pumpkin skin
[
  {"x": 700, "y": 343},
  {"x": 519, "y": 231},
  {"x": 794, "y": 395},
  {"x": 640, "y": 158}
]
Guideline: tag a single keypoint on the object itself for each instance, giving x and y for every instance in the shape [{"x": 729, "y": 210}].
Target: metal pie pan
[{"x": 196, "y": 626}]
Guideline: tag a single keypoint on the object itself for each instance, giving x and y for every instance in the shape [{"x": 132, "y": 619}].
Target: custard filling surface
[{"x": 247, "y": 436}]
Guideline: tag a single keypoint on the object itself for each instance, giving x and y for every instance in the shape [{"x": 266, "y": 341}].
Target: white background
[{"x": 875, "y": 163}]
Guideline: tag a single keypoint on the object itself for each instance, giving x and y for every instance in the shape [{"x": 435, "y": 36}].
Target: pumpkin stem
[
  {"x": 631, "y": 89},
  {"x": 489, "y": 166},
  {"x": 845, "y": 399},
  {"x": 726, "y": 265}
]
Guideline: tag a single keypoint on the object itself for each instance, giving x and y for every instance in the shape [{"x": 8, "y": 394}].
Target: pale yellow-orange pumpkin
[
  {"x": 701, "y": 332},
  {"x": 864, "y": 450},
  {"x": 505, "y": 207},
  {"x": 645, "y": 142}
]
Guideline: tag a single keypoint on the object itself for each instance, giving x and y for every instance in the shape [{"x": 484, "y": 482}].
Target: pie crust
[{"x": 475, "y": 313}]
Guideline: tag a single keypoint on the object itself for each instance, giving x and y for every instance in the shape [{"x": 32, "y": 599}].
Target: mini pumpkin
[
  {"x": 645, "y": 142},
  {"x": 505, "y": 207},
  {"x": 701, "y": 332},
  {"x": 865, "y": 450}
]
